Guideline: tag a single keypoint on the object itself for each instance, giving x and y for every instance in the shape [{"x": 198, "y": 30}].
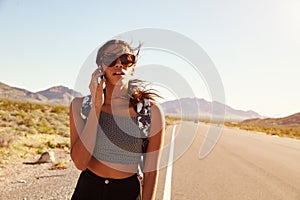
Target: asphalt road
[{"x": 242, "y": 165}]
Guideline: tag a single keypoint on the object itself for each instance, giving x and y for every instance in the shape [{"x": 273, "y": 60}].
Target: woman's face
[{"x": 118, "y": 69}]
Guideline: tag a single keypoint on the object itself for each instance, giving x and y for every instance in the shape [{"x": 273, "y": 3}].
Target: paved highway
[{"x": 243, "y": 165}]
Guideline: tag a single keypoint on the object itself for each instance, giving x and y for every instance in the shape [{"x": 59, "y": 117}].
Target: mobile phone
[{"x": 102, "y": 76}]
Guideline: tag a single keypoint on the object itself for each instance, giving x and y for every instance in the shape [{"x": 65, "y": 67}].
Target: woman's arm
[
  {"x": 82, "y": 134},
  {"x": 156, "y": 137}
]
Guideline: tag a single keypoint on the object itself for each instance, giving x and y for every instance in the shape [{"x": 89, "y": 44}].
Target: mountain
[
  {"x": 292, "y": 120},
  {"x": 200, "y": 108},
  {"x": 58, "y": 95},
  {"x": 185, "y": 107}
]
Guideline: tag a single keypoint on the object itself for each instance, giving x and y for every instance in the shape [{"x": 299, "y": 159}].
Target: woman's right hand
[{"x": 96, "y": 89}]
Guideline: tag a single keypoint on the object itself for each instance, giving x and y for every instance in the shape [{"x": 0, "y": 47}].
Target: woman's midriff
[{"x": 112, "y": 170}]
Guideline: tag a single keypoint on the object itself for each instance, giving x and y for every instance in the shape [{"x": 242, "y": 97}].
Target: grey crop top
[{"x": 118, "y": 139}]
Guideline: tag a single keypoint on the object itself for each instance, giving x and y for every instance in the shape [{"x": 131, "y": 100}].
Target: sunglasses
[{"x": 110, "y": 60}]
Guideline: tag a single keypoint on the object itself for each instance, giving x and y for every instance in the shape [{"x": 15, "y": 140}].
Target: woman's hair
[
  {"x": 109, "y": 43},
  {"x": 137, "y": 90}
]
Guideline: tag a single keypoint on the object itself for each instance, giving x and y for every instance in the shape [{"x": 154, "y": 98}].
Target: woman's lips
[{"x": 118, "y": 73}]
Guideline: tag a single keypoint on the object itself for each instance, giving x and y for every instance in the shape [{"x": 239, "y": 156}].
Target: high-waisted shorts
[{"x": 91, "y": 186}]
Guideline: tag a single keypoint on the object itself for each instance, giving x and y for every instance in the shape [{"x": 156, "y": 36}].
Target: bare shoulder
[
  {"x": 157, "y": 118},
  {"x": 156, "y": 109},
  {"x": 76, "y": 103},
  {"x": 77, "y": 100},
  {"x": 75, "y": 113}
]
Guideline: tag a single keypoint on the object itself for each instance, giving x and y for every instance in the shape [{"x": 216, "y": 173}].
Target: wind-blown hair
[{"x": 137, "y": 90}]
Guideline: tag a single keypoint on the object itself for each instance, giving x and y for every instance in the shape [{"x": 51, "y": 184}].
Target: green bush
[{"x": 29, "y": 128}]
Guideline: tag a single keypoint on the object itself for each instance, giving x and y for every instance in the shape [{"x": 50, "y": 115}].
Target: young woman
[{"x": 106, "y": 142}]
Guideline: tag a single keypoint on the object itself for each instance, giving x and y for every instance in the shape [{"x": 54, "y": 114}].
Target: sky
[{"x": 254, "y": 45}]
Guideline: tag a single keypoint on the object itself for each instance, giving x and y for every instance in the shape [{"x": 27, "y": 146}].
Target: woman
[{"x": 106, "y": 143}]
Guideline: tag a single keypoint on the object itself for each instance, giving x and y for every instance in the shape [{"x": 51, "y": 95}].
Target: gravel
[{"x": 27, "y": 182}]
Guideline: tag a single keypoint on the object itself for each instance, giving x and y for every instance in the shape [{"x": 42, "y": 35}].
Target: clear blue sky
[{"x": 255, "y": 45}]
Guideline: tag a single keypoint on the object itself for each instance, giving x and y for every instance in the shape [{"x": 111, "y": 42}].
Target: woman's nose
[{"x": 118, "y": 63}]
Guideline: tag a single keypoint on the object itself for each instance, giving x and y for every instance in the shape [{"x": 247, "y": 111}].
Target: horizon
[
  {"x": 166, "y": 100},
  {"x": 253, "y": 45}
]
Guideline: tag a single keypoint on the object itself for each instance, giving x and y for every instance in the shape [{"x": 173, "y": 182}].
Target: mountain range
[
  {"x": 184, "y": 107},
  {"x": 58, "y": 95},
  {"x": 291, "y": 121},
  {"x": 200, "y": 108}
]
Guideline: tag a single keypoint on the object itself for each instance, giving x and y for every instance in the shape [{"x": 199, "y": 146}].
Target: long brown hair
[{"x": 137, "y": 89}]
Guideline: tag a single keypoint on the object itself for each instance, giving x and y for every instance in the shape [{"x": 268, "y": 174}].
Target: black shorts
[{"x": 91, "y": 186}]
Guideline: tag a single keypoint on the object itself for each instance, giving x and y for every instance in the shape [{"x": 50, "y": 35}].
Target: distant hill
[
  {"x": 284, "y": 127},
  {"x": 195, "y": 107},
  {"x": 58, "y": 95},
  {"x": 292, "y": 120},
  {"x": 185, "y": 107}
]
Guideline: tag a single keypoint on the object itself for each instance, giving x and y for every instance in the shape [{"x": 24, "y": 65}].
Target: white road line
[{"x": 168, "y": 182}]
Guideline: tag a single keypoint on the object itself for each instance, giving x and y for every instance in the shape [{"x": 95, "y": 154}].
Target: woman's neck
[{"x": 115, "y": 93}]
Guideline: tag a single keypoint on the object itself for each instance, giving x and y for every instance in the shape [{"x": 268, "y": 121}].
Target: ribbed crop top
[{"x": 118, "y": 139}]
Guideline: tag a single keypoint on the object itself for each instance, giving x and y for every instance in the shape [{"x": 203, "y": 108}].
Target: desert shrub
[
  {"x": 5, "y": 140},
  {"x": 33, "y": 145},
  {"x": 27, "y": 129},
  {"x": 63, "y": 131},
  {"x": 60, "y": 145},
  {"x": 171, "y": 120},
  {"x": 40, "y": 150},
  {"x": 59, "y": 109},
  {"x": 59, "y": 165},
  {"x": 279, "y": 130},
  {"x": 7, "y": 136}
]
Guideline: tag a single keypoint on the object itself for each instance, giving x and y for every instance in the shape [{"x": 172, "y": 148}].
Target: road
[{"x": 243, "y": 165}]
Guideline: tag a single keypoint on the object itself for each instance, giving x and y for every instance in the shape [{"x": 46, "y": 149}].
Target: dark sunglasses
[{"x": 127, "y": 60}]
